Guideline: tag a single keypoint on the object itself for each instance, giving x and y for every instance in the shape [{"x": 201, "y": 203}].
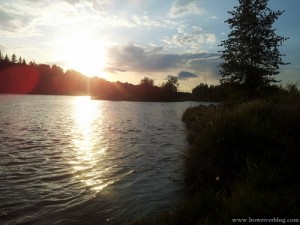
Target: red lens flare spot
[{"x": 19, "y": 79}]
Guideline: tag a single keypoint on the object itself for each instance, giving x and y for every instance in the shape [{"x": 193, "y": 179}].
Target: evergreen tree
[
  {"x": 6, "y": 59},
  {"x": 251, "y": 55},
  {"x": 14, "y": 58}
]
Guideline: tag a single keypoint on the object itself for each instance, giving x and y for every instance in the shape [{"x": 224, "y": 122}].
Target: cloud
[
  {"x": 134, "y": 21},
  {"x": 192, "y": 40},
  {"x": 139, "y": 59},
  {"x": 208, "y": 65},
  {"x": 2, "y": 48},
  {"x": 182, "y": 8},
  {"x": 95, "y": 5},
  {"x": 112, "y": 69},
  {"x": 184, "y": 75},
  {"x": 133, "y": 58},
  {"x": 30, "y": 17},
  {"x": 21, "y": 18},
  {"x": 145, "y": 21},
  {"x": 13, "y": 20},
  {"x": 5, "y": 20}
]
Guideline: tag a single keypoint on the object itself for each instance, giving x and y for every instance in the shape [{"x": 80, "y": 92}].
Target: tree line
[
  {"x": 144, "y": 91},
  {"x": 18, "y": 77}
]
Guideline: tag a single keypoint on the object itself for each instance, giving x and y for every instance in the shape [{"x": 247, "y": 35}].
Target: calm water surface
[{"x": 72, "y": 160}]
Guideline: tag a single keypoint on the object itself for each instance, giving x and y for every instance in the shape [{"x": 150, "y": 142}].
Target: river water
[{"x": 72, "y": 160}]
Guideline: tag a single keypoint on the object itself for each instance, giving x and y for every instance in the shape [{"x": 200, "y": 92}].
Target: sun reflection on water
[{"x": 88, "y": 153}]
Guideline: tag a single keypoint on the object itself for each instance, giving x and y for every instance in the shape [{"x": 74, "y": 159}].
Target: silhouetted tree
[
  {"x": 170, "y": 88},
  {"x": 14, "y": 58},
  {"x": 251, "y": 55},
  {"x": 6, "y": 59},
  {"x": 147, "y": 82},
  {"x": 32, "y": 63},
  {"x": 171, "y": 85}
]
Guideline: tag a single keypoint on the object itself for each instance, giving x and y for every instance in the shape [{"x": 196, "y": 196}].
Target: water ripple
[{"x": 70, "y": 160}]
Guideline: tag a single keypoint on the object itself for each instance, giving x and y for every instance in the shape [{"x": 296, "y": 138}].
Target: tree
[
  {"x": 147, "y": 82},
  {"x": 14, "y": 58},
  {"x": 32, "y": 63},
  {"x": 251, "y": 55},
  {"x": 171, "y": 85},
  {"x": 6, "y": 59}
]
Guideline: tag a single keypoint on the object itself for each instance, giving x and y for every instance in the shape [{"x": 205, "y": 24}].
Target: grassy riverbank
[{"x": 243, "y": 161}]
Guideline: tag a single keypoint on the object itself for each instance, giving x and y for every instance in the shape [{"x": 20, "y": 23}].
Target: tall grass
[{"x": 226, "y": 140}]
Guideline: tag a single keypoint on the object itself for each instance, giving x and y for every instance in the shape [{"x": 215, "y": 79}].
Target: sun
[{"x": 84, "y": 53}]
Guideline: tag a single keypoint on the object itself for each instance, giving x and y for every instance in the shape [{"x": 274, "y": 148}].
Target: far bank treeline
[{"x": 19, "y": 77}]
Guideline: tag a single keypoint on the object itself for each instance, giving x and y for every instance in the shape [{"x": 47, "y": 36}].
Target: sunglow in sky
[{"x": 127, "y": 40}]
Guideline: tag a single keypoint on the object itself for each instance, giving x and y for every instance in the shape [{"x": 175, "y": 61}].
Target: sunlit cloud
[
  {"x": 2, "y": 48},
  {"x": 195, "y": 40},
  {"x": 182, "y": 8},
  {"x": 16, "y": 21},
  {"x": 145, "y": 21},
  {"x": 95, "y": 5},
  {"x": 31, "y": 17},
  {"x": 6, "y": 20}
]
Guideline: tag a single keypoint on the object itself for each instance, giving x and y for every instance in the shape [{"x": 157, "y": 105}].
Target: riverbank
[{"x": 241, "y": 163}]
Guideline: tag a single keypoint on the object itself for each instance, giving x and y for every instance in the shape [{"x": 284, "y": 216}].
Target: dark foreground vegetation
[{"x": 242, "y": 162}]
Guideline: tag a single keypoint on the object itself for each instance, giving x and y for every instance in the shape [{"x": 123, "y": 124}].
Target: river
[{"x": 73, "y": 160}]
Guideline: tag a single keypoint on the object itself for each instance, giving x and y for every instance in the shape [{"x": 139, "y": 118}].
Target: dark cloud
[
  {"x": 183, "y": 75},
  {"x": 136, "y": 58},
  {"x": 113, "y": 69},
  {"x": 208, "y": 65},
  {"x": 133, "y": 58}
]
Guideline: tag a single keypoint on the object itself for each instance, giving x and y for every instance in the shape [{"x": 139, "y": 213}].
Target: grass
[{"x": 243, "y": 161}]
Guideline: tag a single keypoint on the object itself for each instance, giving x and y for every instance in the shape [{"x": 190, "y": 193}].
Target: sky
[{"x": 127, "y": 40}]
